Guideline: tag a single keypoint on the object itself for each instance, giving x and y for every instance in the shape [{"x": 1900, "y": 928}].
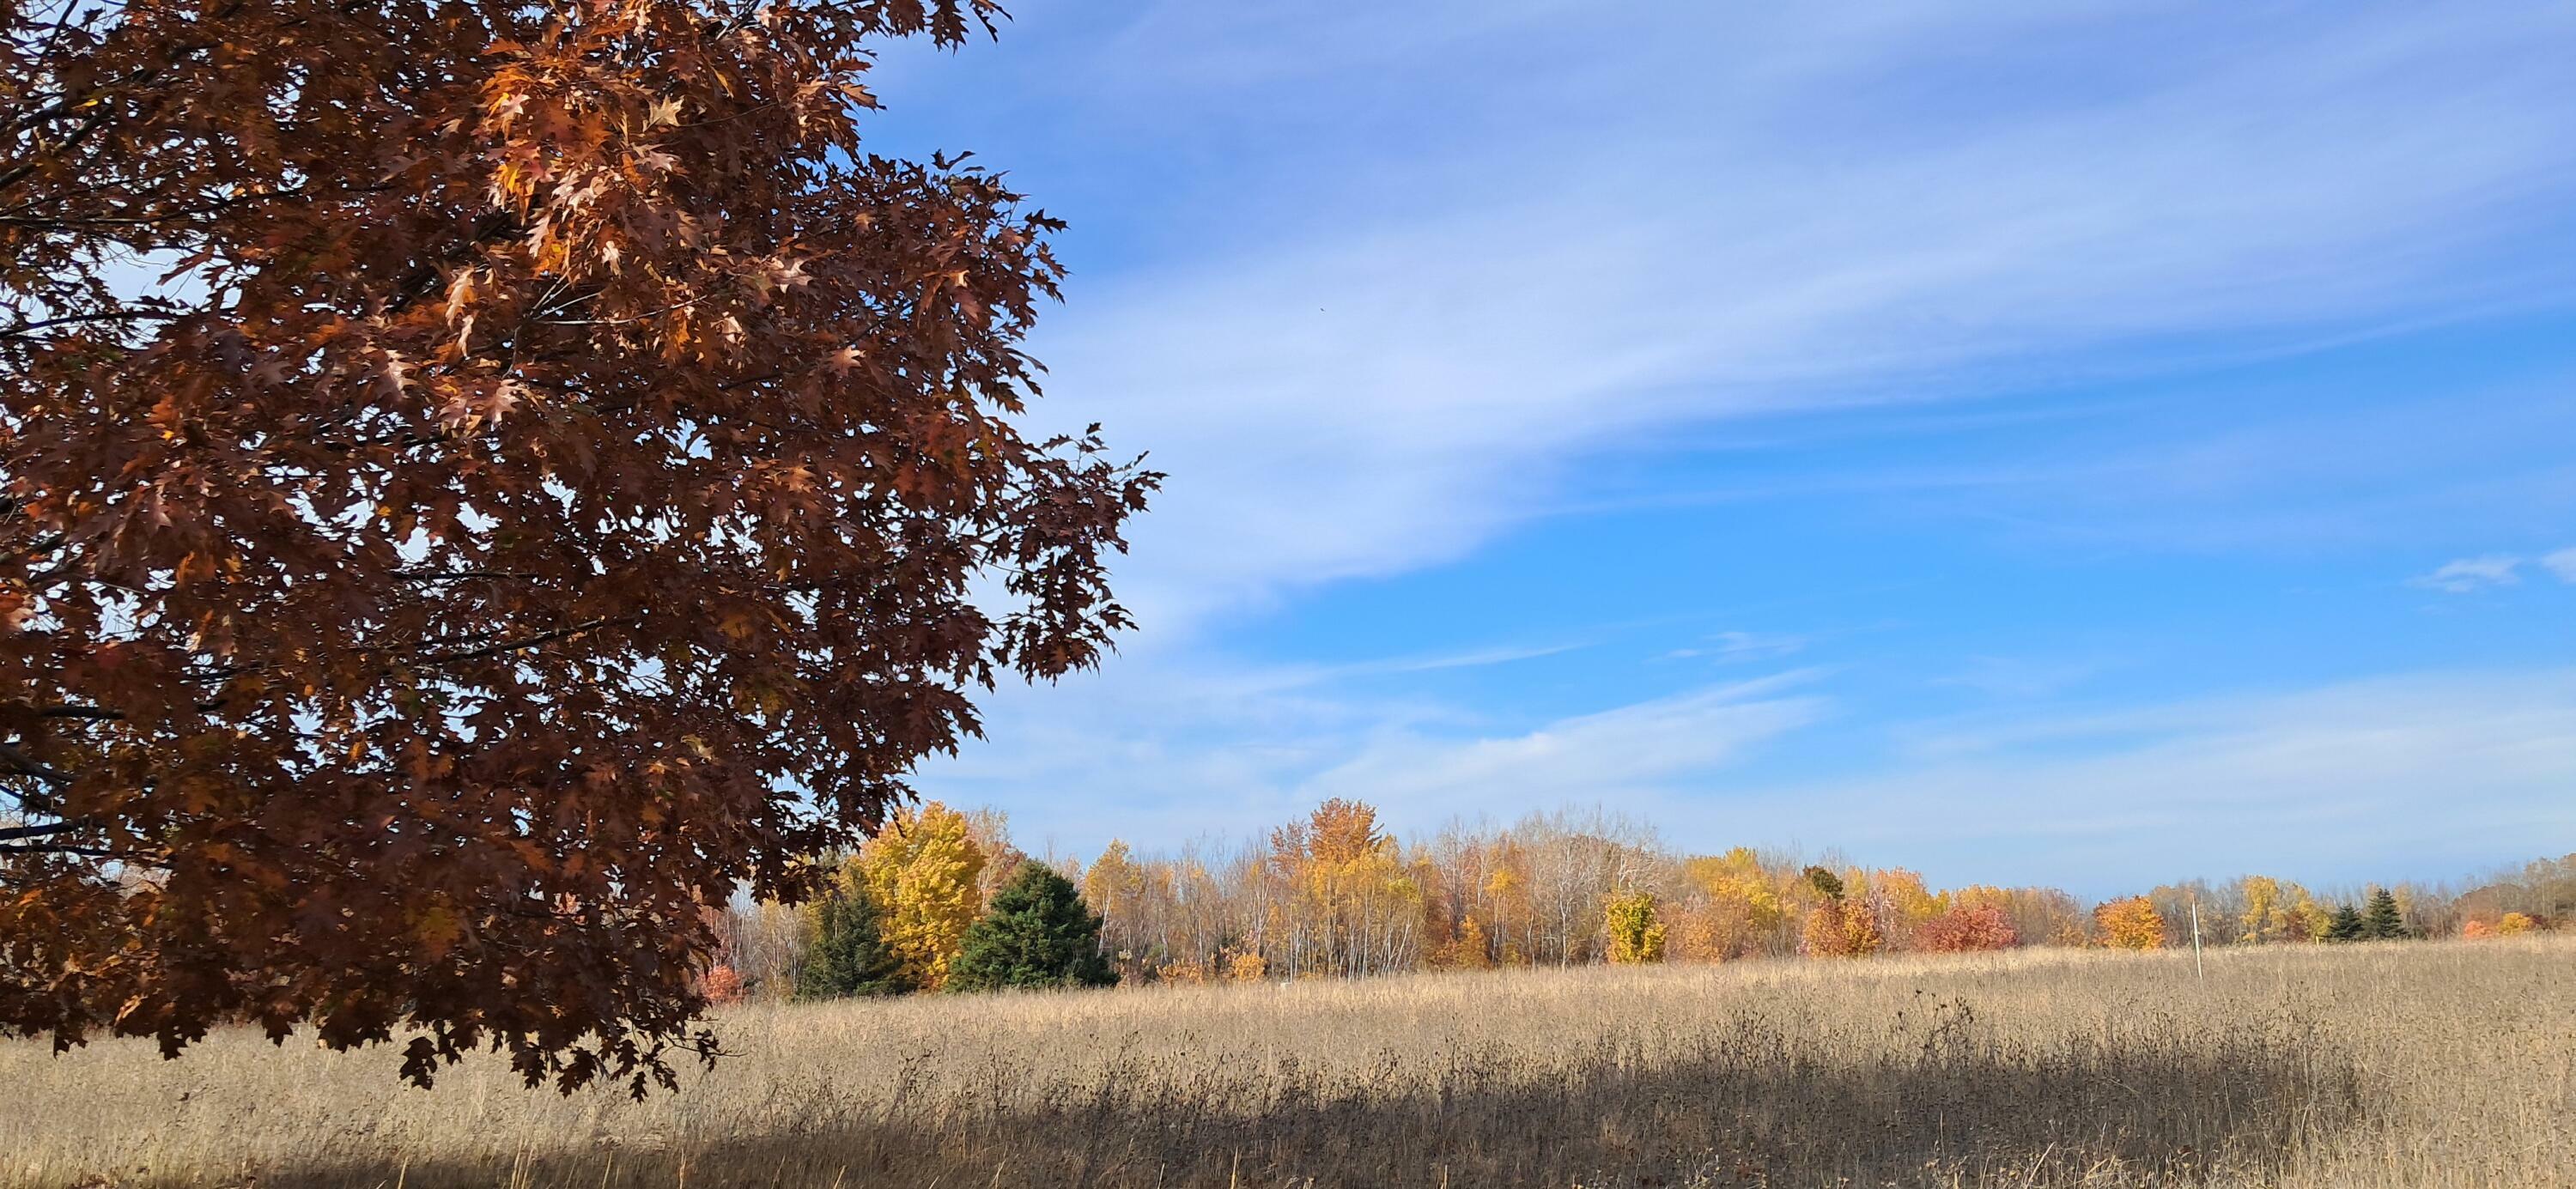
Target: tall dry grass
[{"x": 2382, "y": 1065}]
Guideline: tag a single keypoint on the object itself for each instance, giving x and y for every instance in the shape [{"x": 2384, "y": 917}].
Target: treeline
[{"x": 932, "y": 900}]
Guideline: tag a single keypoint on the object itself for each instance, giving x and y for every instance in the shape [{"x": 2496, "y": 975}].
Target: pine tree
[
  {"x": 1038, "y": 933},
  {"x": 847, "y": 954},
  {"x": 2348, "y": 925},
  {"x": 2382, "y": 920}
]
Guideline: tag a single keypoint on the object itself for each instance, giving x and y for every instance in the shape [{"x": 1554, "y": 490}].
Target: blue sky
[{"x": 2088, "y": 445}]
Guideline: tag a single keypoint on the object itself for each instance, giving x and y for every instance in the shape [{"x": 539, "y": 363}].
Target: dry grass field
[{"x": 2432, "y": 1064}]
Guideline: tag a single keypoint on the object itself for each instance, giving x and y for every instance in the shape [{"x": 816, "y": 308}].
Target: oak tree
[{"x": 479, "y": 481}]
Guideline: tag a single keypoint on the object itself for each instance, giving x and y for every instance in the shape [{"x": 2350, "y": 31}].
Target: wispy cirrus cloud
[
  {"x": 1633, "y": 755},
  {"x": 1422, "y": 339},
  {"x": 1735, "y": 647},
  {"x": 2300, "y": 782},
  {"x": 1398, "y": 282},
  {"x": 1181, "y": 747},
  {"x": 2467, "y": 574}
]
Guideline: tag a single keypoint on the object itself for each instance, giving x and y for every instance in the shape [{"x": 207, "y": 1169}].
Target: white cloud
[
  {"x": 1406, "y": 272},
  {"x": 2405, "y": 776},
  {"x": 1425, "y": 339},
  {"x": 1739, "y": 647},
  {"x": 1645, "y": 751},
  {"x": 1472, "y": 659},
  {"x": 2562, "y": 564},
  {"x": 2421, "y": 775},
  {"x": 2469, "y": 574},
  {"x": 1166, "y": 752}
]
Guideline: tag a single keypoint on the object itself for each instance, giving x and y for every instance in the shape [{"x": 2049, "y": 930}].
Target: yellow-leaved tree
[
  {"x": 922, "y": 868},
  {"x": 1902, "y": 903},
  {"x": 1358, "y": 907},
  {"x": 1636, "y": 934},
  {"x": 1470, "y": 949},
  {"x": 1737, "y": 908}
]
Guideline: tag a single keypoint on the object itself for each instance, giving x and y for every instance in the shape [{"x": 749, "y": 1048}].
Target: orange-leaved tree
[
  {"x": 1968, "y": 928},
  {"x": 1842, "y": 927},
  {"x": 2131, "y": 924},
  {"x": 478, "y": 482}
]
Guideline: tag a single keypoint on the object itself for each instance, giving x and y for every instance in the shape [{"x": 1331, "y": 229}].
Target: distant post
[{"x": 2198, "y": 971}]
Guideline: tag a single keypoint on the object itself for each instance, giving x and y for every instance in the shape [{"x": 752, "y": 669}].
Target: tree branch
[
  {"x": 26, "y": 765},
  {"x": 525, "y": 642},
  {"x": 63, "y": 848},
  {"x": 22, "y": 329}
]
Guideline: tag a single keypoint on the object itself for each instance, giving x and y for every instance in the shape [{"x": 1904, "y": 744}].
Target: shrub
[
  {"x": 1246, "y": 966},
  {"x": 1968, "y": 928},
  {"x": 1842, "y": 929},
  {"x": 723, "y": 984}
]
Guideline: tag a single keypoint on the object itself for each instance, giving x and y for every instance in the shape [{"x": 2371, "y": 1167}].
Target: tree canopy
[
  {"x": 478, "y": 482},
  {"x": 1038, "y": 933},
  {"x": 923, "y": 869}
]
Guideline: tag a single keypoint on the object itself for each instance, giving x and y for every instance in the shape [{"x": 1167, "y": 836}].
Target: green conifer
[
  {"x": 2347, "y": 924},
  {"x": 846, "y": 954},
  {"x": 1037, "y": 933},
  {"x": 2382, "y": 921}
]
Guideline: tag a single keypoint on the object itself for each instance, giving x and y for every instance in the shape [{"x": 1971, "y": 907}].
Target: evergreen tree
[
  {"x": 2347, "y": 926},
  {"x": 2382, "y": 921},
  {"x": 1038, "y": 933},
  {"x": 847, "y": 954}
]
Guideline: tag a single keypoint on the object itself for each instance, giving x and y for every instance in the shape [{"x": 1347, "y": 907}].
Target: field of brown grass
[{"x": 2430, "y": 1064}]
